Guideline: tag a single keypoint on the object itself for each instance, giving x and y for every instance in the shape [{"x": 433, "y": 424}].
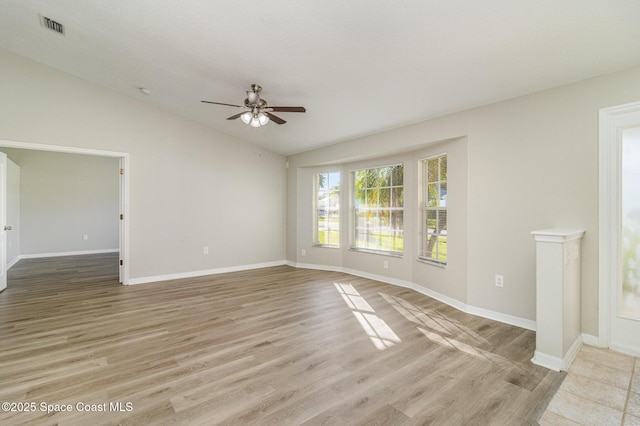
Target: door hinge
[
  {"x": 121, "y": 262},
  {"x": 121, "y": 216},
  {"x": 121, "y": 171}
]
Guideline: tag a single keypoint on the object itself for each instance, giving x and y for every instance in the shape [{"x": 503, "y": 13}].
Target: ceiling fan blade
[
  {"x": 220, "y": 103},
  {"x": 274, "y": 118},
  {"x": 233, "y": 117},
  {"x": 288, "y": 108}
]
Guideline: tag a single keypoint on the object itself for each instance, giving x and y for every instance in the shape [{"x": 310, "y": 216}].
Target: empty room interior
[{"x": 332, "y": 213}]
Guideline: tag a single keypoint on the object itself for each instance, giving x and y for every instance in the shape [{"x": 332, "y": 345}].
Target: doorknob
[{"x": 7, "y": 228}]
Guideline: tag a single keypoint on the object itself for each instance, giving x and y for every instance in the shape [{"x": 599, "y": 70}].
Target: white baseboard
[
  {"x": 555, "y": 363},
  {"x": 473, "y": 310},
  {"x": 591, "y": 340},
  {"x": 547, "y": 361},
  {"x": 63, "y": 253},
  {"x": 572, "y": 352},
  {"x": 13, "y": 262},
  {"x": 167, "y": 277},
  {"x": 595, "y": 341},
  {"x": 501, "y": 317},
  {"x": 629, "y": 350}
]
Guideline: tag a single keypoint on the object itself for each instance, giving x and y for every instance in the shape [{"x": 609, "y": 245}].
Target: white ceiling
[{"x": 359, "y": 67}]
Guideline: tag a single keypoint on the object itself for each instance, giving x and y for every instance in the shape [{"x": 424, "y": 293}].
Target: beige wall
[
  {"x": 532, "y": 164},
  {"x": 190, "y": 186}
]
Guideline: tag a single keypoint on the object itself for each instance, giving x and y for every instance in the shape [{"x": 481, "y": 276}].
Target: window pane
[
  {"x": 396, "y": 231},
  {"x": 384, "y": 176},
  {"x": 442, "y": 221},
  {"x": 397, "y": 220},
  {"x": 397, "y": 197},
  {"x": 432, "y": 170},
  {"x": 377, "y": 194},
  {"x": 323, "y": 203},
  {"x": 432, "y": 221},
  {"x": 360, "y": 198},
  {"x": 322, "y": 180},
  {"x": 443, "y": 194},
  {"x": 442, "y": 249},
  {"x": 327, "y": 212},
  {"x": 372, "y": 198},
  {"x": 397, "y": 178},
  {"x": 443, "y": 167},
  {"x": 385, "y": 197},
  {"x": 383, "y": 218},
  {"x": 434, "y": 233},
  {"x": 433, "y": 195},
  {"x": 385, "y": 242},
  {"x": 372, "y": 178},
  {"x": 373, "y": 222},
  {"x": 333, "y": 180}
]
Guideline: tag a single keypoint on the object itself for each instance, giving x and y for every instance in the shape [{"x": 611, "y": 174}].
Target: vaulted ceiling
[{"x": 359, "y": 67}]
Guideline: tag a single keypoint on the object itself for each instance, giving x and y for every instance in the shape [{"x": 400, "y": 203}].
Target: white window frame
[
  {"x": 439, "y": 208},
  {"x": 316, "y": 221},
  {"x": 354, "y": 210}
]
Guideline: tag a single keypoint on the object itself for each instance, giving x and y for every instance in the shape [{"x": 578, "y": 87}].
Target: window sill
[
  {"x": 379, "y": 252},
  {"x": 432, "y": 263},
  {"x": 331, "y": 246}
]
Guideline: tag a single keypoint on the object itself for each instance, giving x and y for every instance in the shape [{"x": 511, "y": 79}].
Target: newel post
[{"x": 558, "y": 297}]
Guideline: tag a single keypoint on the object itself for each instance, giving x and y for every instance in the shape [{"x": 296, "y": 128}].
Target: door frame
[
  {"x": 612, "y": 121},
  {"x": 123, "y": 191},
  {"x": 3, "y": 221}
]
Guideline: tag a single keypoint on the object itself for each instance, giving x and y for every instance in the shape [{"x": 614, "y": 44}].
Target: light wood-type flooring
[{"x": 275, "y": 346}]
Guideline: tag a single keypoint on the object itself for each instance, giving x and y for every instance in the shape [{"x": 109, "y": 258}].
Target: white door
[
  {"x": 3, "y": 221},
  {"x": 620, "y": 228}
]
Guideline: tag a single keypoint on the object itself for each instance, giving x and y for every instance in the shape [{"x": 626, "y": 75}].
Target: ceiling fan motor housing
[{"x": 257, "y": 102}]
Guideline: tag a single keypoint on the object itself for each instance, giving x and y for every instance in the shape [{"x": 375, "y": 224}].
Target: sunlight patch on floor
[
  {"x": 432, "y": 319},
  {"x": 379, "y": 332},
  {"x": 468, "y": 349}
]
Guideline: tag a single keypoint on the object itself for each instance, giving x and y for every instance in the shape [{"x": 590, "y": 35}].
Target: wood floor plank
[{"x": 279, "y": 345}]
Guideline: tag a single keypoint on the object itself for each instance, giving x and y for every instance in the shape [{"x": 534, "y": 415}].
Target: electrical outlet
[
  {"x": 303, "y": 252},
  {"x": 85, "y": 237},
  {"x": 499, "y": 280},
  {"x": 385, "y": 264},
  {"x": 205, "y": 250}
]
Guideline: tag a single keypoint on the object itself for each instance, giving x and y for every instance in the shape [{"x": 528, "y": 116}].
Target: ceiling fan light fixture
[
  {"x": 246, "y": 117},
  {"x": 263, "y": 119},
  {"x": 255, "y": 122}
]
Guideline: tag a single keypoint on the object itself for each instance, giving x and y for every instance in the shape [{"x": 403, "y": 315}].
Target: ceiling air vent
[{"x": 52, "y": 25}]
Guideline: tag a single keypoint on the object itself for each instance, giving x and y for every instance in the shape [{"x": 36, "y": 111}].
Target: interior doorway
[{"x": 122, "y": 160}]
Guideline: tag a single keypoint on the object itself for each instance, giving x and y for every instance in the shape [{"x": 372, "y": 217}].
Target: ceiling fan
[{"x": 258, "y": 112}]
